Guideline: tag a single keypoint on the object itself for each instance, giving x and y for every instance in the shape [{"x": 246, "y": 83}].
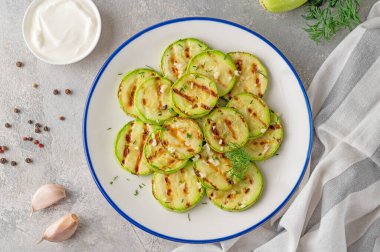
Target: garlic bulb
[
  {"x": 47, "y": 195},
  {"x": 62, "y": 229}
]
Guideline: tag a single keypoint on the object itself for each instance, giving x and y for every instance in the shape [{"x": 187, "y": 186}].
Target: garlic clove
[
  {"x": 62, "y": 229},
  {"x": 47, "y": 195}
]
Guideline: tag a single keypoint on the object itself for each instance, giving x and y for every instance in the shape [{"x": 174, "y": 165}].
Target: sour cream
[{"x": 61, "y": 31}]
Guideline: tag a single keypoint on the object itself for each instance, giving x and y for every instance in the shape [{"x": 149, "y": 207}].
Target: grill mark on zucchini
[
  {"x": 187, "y": 53},
  {"x": 158, "y": 92},
  {"x": 174, "y": 133},
  {"x": 205, "y": 107},
  {"x": 239, "y": 64},
  {"x": 127, "y": 143},
  {"x": 229, "y": 126},
  {"x": 206, "y": 89},
  {"x": 187, "y": 97},
  {"x": 215, "y": 131},
  {"x": 144, "y": 136},
  {"x": 132, "y": 95},
  {"x": 254, "y": 114},
  {"x": 205, "y": 179}
]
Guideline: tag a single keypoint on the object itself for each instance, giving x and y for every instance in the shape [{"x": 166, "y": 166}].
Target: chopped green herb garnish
[
  {"x": 150, "y": 67},
  {"x": 325, "y": 18},
  {"x": 120, "y": 74},
  {"x": 204, "y": 203},
  {"x": 197, "y": 76},
  {"x": 109, "y": 128},
  {"x": 240, "y": 161},
  {"x": 196, "y": 67},
  {"x": 200, "y": 45},
  {"x": 143, "y": 184},
  {"x": 225, "y": 57},
  {"x": 188, "y": 216},
  {"x": 182, "y": 200},
  {"x": 134, "y": 142},
  {"x": 136, "y": 192},
  {"x": 277, "y": 154},
  {"x": 180, "y": 45},
  {"x": 128, "y": 179},
  {"x": 113, "y": 180},
  {"x": 171, "y": 110},
  {"x": 188, "y": 135},
  {"x": 140, "y": 186},
  {"x": 261, "y": 73}
]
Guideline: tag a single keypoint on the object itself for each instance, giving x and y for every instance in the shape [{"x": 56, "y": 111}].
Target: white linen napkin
[{"x": 338, "y": 209}]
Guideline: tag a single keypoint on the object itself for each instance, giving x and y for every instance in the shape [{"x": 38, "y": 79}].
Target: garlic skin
[
  {"x": 47, "y": 195},
  {"x": 62, "y": 229}
]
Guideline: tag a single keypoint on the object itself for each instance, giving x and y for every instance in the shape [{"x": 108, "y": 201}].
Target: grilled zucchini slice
[
  {"x": 255, "y": 112},
  {"x": 179, "y": 191},
  {"x": 242, "y": 195},
  {"x": 127, "y": 88},
  {"x": 252, "y": 75},
  {"x": 181, "y": 137},
  {"x": 152, "y": 100},
  {"x": 129, "y": 147},
  {"x": 225, "y": 129},
  {"x": 158, "y": 158},
  {"x": 217, "y": 66},
  {"x": 212, "y": 169},
  {"x": 267, "y": 145},
  {"x": 177, "y": 55},
  {"x": 194, "y": 95}
]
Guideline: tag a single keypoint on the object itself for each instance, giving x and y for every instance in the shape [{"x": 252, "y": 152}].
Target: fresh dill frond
[
  {"x": 240, "y": 163},
  {"x": 324, "y": 20}
]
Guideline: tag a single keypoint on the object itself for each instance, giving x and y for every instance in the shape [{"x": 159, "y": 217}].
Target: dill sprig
[
  {"x": 324, "y": 20},
  {"x": 240, "y": 162}
]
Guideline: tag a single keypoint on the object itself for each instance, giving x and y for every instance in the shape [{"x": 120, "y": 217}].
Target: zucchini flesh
[
  {"x": 252, "y": 75},
  {"x": 181, "y": 137},
  {"x": 158, "y": 158},
  {"x": 225, "y": 129},
  {"x": 128, "y": 86},
  {"x": 212, "y": 169},
  {"x": 194, "y": 95},
  {"x": 179, "y": 191},
  {"x": 255, "y": 112},
  {"x": 152, "y": 100},
  {"x": 217, "y": 66},
  {"x": 178, "y": 54},
  {"x": 242, "y": 195},
  {"x": 129, "y": 147},
  {"x": 267, "y": 145}
]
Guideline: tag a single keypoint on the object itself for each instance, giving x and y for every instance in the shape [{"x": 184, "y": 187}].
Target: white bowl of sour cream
[{"x": 61, "y": 32}]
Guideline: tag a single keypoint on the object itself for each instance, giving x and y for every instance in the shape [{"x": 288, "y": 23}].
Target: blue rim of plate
[{"x": 102, "y": 69}]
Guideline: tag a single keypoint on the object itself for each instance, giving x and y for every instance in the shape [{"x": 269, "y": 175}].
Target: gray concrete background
[{"x": 62, "y": 160}]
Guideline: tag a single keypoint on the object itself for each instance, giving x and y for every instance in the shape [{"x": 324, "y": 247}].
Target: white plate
[{"x": 208, "y": 223}]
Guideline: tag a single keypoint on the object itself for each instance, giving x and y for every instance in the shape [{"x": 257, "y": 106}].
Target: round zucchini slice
[
  {"x": 158, "y": 158},
  {"x": 242, "y": 195},
  {"x": 178, "y": 54},
  {"x": 129, "y": 146},
  {"x": 152, "y": 100},
  {"x": 217, "y": 66},
  {"x": 127, "y": 88},
  {"x": 267, "y": 145},
  {"x": 255, "y": 112},
  {"x": 179, "y": 191},
  {"x": 225, "y": 129},
  {"x": 212, "y": 169},
  {"x": 181, "y": 137},
  {"x": 194, "y": 95},
  {"x": 252, "y": 75}
]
